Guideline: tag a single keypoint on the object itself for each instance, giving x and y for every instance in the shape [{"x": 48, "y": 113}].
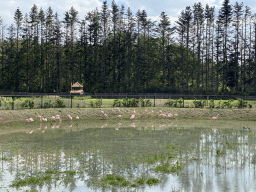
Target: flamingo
[
  {"x": 214, "y": 118},
  {"x": 119, "y": 116},
  {"x": 102, "y": 112},
  {"x": 152, "y": 113},
  {"x": 30, "y": 120},
  {"x": 69, "y": 116},
  {"x": 106, "y": 115},
  {"x": 169, "y": 115},
  {"x": 44, "y": 119},
  {"x": 77, "y": 118},
  {"x": 52, "y": 118},
  {"x": 146, "y": 110},
  {"x": 133, "y": 116},
  {"x": 117, "y": 109}
]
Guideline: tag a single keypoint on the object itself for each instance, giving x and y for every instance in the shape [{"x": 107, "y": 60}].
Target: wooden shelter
[{"x": 77, "y": 88}]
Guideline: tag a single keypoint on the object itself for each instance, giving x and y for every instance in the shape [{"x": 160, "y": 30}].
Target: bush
[
  {"x": 171, "y": 103},
  {"x": 48, "y": 104},
  {"x": 227, "y": 104},
  {"x": 146, "y": 103},
  {"x": 96, "y": 104},
  {"x": 117, "y": 103},
  {"x": 199, "y": 103},
  {"x": 211, "y": 103},
  {"x": 127, "y": 102},
  {"x": 241, "y": 103},
  {"x": 142, "y": 102},
  {"x": 28, "y": 103},
  {"x": 59, "y": 103},
  {"x": 180, "y": 101}
]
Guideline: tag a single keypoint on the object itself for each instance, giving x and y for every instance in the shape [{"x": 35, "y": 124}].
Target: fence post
[
  {"x": 155, "y": 100},
  {"x": 207, "y": 99},
  {"x": 42, "y": 101},
  {"x": 12, "y": 103}
]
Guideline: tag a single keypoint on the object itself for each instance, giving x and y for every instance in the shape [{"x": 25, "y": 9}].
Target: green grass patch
[
  {"x": 168, "y": 168},
  {"x": 152, "y": 181},
  {"x": 31, "y": 181},
  {"x": 141, "y": 181},
  {"x": 116, "y": 180}
]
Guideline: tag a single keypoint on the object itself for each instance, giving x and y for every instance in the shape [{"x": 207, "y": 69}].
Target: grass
[
  {"x": 31, "y": 181},
  {"x": 152, "y": 181},
  {"x": 169, "y": 168},
  {"x": 117, "y": 180}
]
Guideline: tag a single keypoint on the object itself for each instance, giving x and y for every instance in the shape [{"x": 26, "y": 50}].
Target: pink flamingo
[
  {"x": 133, "y": 116},
  {"x": 43, "y": 119},
  {"x": 117, "y": 109},
  {"x": 106, "y": 115},
  {"x": 30, "y": 120},
  {"x": 146, "y": 110},
  {"x": 69, "y": 116},
  {"x": 102, "y": 112},
  {"x": 77, "y": 118},
  {"x": 119, "y": 116},
  {"x": 170, "y": 115},
  {"x": 214, "y": 117},
  {"x": 52, "y": 118}
]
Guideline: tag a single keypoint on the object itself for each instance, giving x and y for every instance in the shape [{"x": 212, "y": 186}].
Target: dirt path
[{"x": 18, "y": 116}]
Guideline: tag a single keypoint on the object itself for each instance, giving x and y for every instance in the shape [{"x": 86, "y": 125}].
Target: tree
[{"x": 225, "y": 15}]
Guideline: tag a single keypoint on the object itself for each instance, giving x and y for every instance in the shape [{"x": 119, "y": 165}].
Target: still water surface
[{"x": 184, "y": 155}]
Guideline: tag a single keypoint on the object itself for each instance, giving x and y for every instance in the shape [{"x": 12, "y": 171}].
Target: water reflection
[{"x": 184, "y": 155}]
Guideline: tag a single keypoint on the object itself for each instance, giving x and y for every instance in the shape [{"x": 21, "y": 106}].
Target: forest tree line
[{"x": 113, "y": 50}]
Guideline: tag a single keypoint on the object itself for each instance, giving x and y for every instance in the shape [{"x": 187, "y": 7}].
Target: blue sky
[{"x": 153, "y": 8}]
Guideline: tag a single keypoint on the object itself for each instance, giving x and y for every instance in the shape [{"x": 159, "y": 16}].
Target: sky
[{"x": 153, "y": 8}]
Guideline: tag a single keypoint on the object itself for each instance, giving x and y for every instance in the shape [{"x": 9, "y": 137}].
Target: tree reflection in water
[{"x": 102, "y": 158}]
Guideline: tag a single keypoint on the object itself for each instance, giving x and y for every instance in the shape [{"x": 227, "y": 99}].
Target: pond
[{"x": 125, "y": 155}]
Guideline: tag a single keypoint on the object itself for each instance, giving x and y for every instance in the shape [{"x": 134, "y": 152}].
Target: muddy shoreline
[{"x": 19, "y": 116}]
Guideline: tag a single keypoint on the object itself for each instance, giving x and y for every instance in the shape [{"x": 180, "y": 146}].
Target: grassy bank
[{"x": 19, "y": 116}]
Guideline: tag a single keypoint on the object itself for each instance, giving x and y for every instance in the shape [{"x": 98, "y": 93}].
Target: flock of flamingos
[
  {"x": 57, "y": 118},
  {"x": 159, "y": 113}
]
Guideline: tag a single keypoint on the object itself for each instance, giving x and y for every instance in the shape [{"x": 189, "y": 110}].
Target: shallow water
[{"x": 202, "y": 155}]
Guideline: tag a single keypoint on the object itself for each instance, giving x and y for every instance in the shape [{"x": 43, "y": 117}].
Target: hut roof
[{"x": 76, "y": 85}]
